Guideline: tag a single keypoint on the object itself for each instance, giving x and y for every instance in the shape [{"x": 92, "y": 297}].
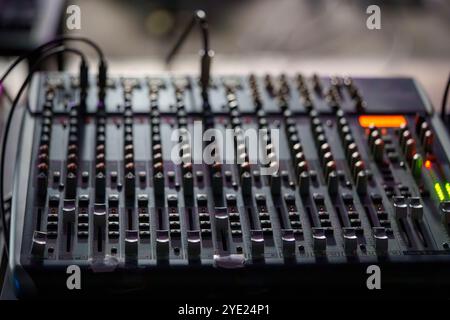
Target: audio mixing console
[{"x": 362, "y": 178}]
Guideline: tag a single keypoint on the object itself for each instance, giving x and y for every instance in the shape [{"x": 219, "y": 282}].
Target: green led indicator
[
  {"x": 439, "y": 191},
  {"x": 447, "y": 187}
]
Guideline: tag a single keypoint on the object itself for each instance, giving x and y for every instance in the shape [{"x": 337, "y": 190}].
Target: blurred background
[{"x": 324, "y": 36}]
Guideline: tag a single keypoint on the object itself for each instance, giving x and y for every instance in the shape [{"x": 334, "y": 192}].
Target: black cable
[
  {"x": 52, "y": 52},
  {"x": 444, "y": 101},
  {"x": 200, "y": 18},
  {"x": 102, "y": 68},
  {"x": 206, "y": 54},
  {"x": 4, "y": 257}
]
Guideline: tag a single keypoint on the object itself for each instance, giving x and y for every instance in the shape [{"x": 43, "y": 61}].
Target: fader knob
[
  {"x": 445, "y": 212},
  {"x": 381, "y": 240},
  {"x": 39, "y": 244},
  {"x": 350, "y": 240},
  {"x": 194, "y": 245},
  {"x": 100, "y": 215},
  {"x": 257, "y": 244},
  {"x": 416, "y": 208},
  {"x": 68, "y": 210},
  {"x": 400, "y": 207},
  {"x": 162, "y": 244},
  {"x": 319, "y": 240},
  {"x": 288, "y": 243},
  {"x": 131, "y": 244}
]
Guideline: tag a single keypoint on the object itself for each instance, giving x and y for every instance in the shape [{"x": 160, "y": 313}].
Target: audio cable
[
  {"x": 444, "y": 116},
  {"x": 41, "y": 51},
  {"x": 206, "y": 54},
  {"x": 102, "y": 66},
  {"x": 45, "y": 55}
]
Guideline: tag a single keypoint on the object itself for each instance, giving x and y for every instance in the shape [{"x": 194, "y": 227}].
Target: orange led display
[
  {"x": 428, "y": 164},
  {"x": 382, "y": 121}
]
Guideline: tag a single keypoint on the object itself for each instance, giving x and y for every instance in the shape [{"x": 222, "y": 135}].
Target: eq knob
[
  {"x": 358, "y": 167},
  {"x": 361, "y": 182},
  {"x": 217, "y": 183},
  {"x": 42, "y": 183},
  {"x": 333, "y": 183},
  {"x": 246, "y": 183},
  {"x": 100, "y": 187},
  {"x": 378, "y": 150},
  {"x": 427, "y": 141},
  {"x": 188, "y": 184},
  {"x": 416, "y": 165},
  {"x": 158, "y": 183},
  {"x": 303, "y": 183},
  {"x": 71, "y": 185},
  {"x": 130, "y": 182},
  {"x": 410, "y": 148},
  {"x": 275, "y": 183}
]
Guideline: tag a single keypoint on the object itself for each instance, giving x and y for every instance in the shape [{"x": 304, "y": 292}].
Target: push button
[{"x": 416, "y": 208}]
